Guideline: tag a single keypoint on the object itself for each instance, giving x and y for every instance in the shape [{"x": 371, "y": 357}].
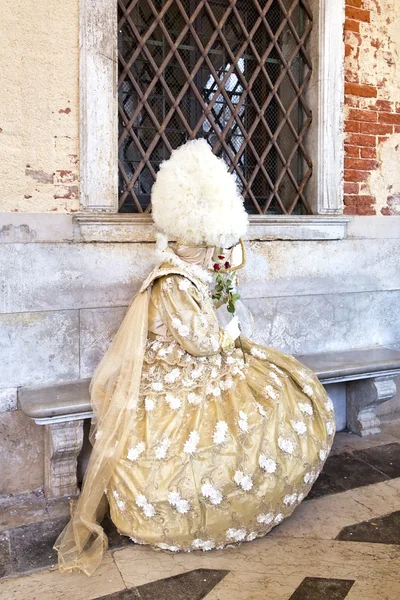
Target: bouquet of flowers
[{"x": 225, "y": 291}]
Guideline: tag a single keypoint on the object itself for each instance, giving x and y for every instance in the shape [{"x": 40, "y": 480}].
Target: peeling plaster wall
[
  {"x": 372, "y": 107},
  {"x": 39, "y": 105}
]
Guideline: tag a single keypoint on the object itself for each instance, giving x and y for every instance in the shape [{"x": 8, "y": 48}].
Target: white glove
[{"x": 233, "y": 329}]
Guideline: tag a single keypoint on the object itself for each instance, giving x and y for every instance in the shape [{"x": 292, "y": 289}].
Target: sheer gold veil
[{"x": 114, "y": 395}]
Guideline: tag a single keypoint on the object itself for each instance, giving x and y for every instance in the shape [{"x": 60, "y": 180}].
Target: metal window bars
[{"x": 234, "y": 72}]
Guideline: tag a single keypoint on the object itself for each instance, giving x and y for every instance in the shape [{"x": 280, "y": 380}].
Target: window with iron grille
[{"x": 234, "y": 72}]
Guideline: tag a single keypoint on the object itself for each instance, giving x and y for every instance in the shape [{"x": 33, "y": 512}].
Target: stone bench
[{"x": 369, "y": 376}]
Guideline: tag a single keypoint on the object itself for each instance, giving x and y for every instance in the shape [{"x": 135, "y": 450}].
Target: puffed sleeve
[{"x": 190, "y": 317}]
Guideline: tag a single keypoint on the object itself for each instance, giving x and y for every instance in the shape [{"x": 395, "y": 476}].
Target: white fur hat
[{"x": 196, "y": 200}]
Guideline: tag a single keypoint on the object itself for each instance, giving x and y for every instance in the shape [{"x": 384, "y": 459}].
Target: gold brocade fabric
[
  {"x": 194, "y": 448},
  {"x": 223, "y": 450}
]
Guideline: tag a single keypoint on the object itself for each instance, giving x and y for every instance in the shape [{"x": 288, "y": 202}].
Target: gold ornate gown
[{"x": 222, "y": 449}]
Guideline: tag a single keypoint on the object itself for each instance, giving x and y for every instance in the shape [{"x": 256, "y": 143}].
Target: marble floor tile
[
  {"x": 268, "y": 568},
  {"x": 319, "y": 588},
  {"x": 32, "y": 545},
  {"x": 384, "y": 458},
  {"x": 194, "y": 585},
  {"x": 53, "y": 585},
  {"x": 324, "y": 518},
  {"x": 344, "y": 472},
  {"x": 381, "y": 530},
  {"x": 348, "y": 442},
  {"x": 5, "y": 555}
]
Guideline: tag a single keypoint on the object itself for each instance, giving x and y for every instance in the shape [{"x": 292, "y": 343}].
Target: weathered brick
[
  {"x": 358, "y": 139},
  {"x": 355, "y": 176},
  {"x": 368, "y": 152},
  {"x": 352, "y": 151},
  {"x": 351, "y": 188},
  {"x": 370, "y": 116},
  {"x": 366, "y": 210},
  {"x": 352, "y": 126},
  {"x": 356, "y": 3},
  {"x": 375, "y": 128},
  {"x": 358, "y": 14},
  {"x": 392, "y": 118},
  {"x": 360, "y": 164},
  {"x": 365, "y": 91},
  {"x": 350, "y": 25},
  {"x": 384, "y": 105}
]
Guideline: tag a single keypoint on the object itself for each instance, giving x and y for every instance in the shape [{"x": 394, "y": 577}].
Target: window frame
[{"x": 99, "y": 219}]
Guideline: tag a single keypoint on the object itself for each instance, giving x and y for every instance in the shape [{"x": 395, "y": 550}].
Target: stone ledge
[{"x": 105, "y": 227}]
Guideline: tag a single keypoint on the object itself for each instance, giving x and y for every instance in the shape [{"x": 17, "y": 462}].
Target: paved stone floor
[{"x": 343, "y": 542}]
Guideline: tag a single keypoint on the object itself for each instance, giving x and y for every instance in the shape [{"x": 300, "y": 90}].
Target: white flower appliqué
[
  {"x": 268, "y": 464},
  {"x": 149, "y": 404},
  {"x": 194, "y": 398},
  {"x": 163, "y": 546},
  {"x": 299, "y": 426},
  {"x": 182, "y": 506},
  {"x": 157, "y": 386},
  {"x": 329, "y": 405},
  {"x": 269, "y": 390},
  {"x": 330, "y": 428},
  {"x": 173, "y": 402},
  {"x": 305, "y": 408},
  {"x": 172, "y": 376},
  {"x": 286, "y": 445},
  {"x": 307, "y": 389},
  {"x": 205, "y": 545},
  {"x": 290, "y": 500},
  {"x": 323, "y": 454},
  {"x": 244, "y": 481},
  {"x": 236, "y": 535},
  {"x": 258, "y": 354},
  {"x": 243, "y": 421},
  {"x": 220, "y": 432},
  {"x": 191, "y": 443},
  {"x": 146, "y": 507},
  {"x": 210, "y": 492},
  {"x": 184, "y": 284},
  {"x": 275, "y": 377},
  {"x": 265, "y": 519},
  {"x": 162, "y": 448},
  {"x": 136, "y": 451},
  {"x": 261, "y": 410}
]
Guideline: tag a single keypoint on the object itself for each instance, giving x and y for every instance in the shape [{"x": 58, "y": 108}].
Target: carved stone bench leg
[
  {"x": 63, "y": 443},
  {"x": 363, "y": 398}
]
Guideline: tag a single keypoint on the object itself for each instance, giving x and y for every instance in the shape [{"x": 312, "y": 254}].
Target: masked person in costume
[{"x": 195, "y": 445}]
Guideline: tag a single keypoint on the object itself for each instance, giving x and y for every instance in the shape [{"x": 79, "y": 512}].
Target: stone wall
[
  {"x": 372, "y": 107},
  {"x": 61, "y": 303},
  {"x": 61, "y": 300}
]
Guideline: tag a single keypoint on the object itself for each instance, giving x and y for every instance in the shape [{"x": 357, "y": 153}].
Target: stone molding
[
  {"x": 89, "y": 227},
  {"x": 363, "y": 399},
  {"x": 63, "y": 443}
]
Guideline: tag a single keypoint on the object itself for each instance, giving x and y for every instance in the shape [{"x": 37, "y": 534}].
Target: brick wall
[{"x": 372, "y": 107}]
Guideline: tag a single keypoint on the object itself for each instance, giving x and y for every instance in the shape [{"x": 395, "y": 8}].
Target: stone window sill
[{"x": 105, "y": 227}]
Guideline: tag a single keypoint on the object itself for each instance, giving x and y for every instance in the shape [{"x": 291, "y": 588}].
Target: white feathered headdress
[{"x": 196, "y": 200}]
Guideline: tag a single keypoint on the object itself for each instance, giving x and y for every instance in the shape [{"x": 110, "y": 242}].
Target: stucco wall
[{"x": 39, "y": 106}]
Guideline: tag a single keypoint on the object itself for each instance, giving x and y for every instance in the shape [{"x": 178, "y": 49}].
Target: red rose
[
  {"x": 227, "y": 264},
  {"x": 217, "y": 267}
]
